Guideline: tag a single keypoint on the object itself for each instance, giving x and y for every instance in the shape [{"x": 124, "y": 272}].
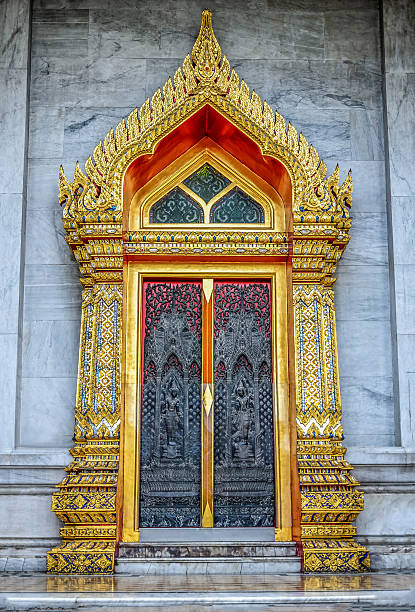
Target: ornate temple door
[{"x": 207, "y": 450}]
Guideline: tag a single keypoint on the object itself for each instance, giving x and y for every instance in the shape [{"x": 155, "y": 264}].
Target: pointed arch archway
[{"x": 206, "y": 101}]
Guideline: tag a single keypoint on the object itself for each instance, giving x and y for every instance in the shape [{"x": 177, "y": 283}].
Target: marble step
[
  {"x": 182, "y": 550},
  {"x": 229, "y": 566}
]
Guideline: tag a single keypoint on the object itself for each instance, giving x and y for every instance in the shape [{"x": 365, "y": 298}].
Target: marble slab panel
[
  {"x": 51, "y": 274},
  {"x": 55, "y": 15},
  {"x": 369, "y": 186},
  {"x": 401, "y": 128},
  {"x": 13, "y": 85},
  {"x": 47, "y": 412},
  {"x": 85, "y": 127},
  {"x": 388, "y": 513},
  {"x": 42, "y": 183},
  {"x": 368, "y": 410},
  {"x": 50, "y": 349},
  {"x": 399, "y": 25},
  {"x": 115, "y": 83},
  {"x": 8, "y": 373},
  {"x": 68, "y": 47},
  {"x": 364, "y": 348},
  {"x": 403, "y": 222},
  {"x": 10, "y": 235},
  {"x": 405, "y": 298},
  {"x": 351, "y": 35},
  {"x": 362, "y": 294},
  {"x": 28, "y": 516},
  {"x": 45, "y": 238},
  {"x": 53, "y": 302},
  {"x": 368, "y": 240},
  {"x": 367, "y": 134},
  {"x": 170, "y": 31},
  {"x": 14, "y": 33},
  {"x": 328, "y": 132},
  {"x": 58, "y": 80},
  {"x": 52, "y": 32},
  {"x": 299, "y": 85},
  {"x": 406, "y": 365},
  {"x": 46, "y": 132}
]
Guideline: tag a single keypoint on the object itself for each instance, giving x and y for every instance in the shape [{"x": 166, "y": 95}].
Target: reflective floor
[{"x": 342, "y": 593}]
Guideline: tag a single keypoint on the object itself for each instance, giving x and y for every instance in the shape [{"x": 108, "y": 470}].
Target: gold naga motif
[{"x": 92, "y": 215}]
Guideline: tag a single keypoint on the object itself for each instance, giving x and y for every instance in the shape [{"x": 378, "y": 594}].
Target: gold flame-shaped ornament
[{"x": 206, "y": 53}]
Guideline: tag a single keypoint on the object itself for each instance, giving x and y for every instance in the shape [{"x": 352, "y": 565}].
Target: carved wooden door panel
[
  {"x": 243, "y": 490},
  {"x": 171, "y": 452},
  {"x": 171, "y": 378}
]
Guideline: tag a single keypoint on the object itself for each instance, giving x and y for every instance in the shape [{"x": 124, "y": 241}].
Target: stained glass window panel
[
  {"x": 176, "y": 207},
  {"x": 236, "y": 207},
  {"x": 206, "y": 182}
]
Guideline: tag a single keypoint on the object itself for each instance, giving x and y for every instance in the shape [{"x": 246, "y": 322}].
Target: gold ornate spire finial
[{"x": 206, "y": 53}]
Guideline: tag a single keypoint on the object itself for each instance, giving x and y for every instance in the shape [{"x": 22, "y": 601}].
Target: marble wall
[{"x": 72, "y": 68}]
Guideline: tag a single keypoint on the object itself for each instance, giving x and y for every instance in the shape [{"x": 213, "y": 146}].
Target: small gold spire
[{"x": 206, "y": 53}]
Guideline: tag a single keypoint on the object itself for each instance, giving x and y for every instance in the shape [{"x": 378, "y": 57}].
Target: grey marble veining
[
  {"x": 399, "y": 19},
  {"x": 362, "y": 294},
  {"x": 365, "y": 353},
  {"x": 368, "y": 410},
  {"x": 82, "y": 125},
  {"x": 8, "y": 351},
  {"x": 46, "y": 237},
  {"x": 11, "y": 226},
  {"x": 49, "y": 349},
  {"x": 369, "y": 195},
  {"x": 368, "y": 240},
  {"x": 13, "y": 85},
  {"x": 361, "y": 26},
  {"x": 14, "y": 32},
  {"x": 401, "y": 129},
  {"x": 405, "y": 298},
  {"x": 51, "y": 401},
  {"x": 406, "y": 361},
  {"x": 46, "y": 132},
  {"x": 367, "y": 135},
  {"x": 168, "y": 31},
  {"x": 403, "y": 220}
]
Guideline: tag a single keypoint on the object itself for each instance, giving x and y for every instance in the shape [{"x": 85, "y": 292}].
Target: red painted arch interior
[{"x": 206, "y": 122}]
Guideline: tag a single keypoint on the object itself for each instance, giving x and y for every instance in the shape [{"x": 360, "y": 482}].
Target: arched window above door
[{"x": 206, "y": 192}]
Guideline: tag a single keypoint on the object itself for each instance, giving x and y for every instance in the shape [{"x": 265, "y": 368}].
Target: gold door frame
[{"x": 137, "y": 273}]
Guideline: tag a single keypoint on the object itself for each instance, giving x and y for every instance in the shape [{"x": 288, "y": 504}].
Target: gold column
[
  {"x": 86, "y": 498},
  {"x": 330, "y": 500}
]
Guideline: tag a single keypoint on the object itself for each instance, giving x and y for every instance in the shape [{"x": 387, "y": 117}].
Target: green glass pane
[
  {"x": 206, "y": 182},
  {"x": 236, "y": 207},
  {"x": 176, "y": 207}
]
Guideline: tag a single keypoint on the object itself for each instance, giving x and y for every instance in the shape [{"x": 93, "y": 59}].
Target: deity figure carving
[
  {"x": 244, "y": 402},
  {"x": 171, "y": 420}
]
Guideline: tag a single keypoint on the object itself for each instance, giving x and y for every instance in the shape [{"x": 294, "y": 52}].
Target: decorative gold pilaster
[
  {"x": 330, "y": 500},
  {"x": 86, "y": 498}
]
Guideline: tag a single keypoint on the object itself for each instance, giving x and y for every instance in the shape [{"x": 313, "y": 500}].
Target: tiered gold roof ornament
[{"x": 92, "y": 215}]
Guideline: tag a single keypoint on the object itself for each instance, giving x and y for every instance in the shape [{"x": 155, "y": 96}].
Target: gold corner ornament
[{"x": 92, "y": 215}]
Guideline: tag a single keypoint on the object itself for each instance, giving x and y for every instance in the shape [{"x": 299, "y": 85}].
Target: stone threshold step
[
  {"x": 208, "y": 565},
  {"x": 202, "y": 549},
  {"x": 78, "y": 601}
]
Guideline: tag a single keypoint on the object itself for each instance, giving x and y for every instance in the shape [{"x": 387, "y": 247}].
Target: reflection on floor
[{"x": 351, "y": 593}]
